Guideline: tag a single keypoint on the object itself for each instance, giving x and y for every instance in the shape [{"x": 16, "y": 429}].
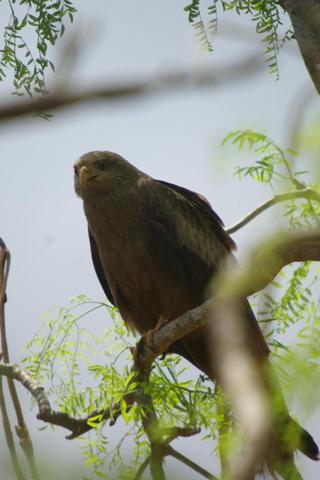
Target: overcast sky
[{"x": 174, "y": 136}]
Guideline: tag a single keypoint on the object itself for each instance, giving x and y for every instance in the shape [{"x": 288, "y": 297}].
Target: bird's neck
[{"x": 109, "y": 213}]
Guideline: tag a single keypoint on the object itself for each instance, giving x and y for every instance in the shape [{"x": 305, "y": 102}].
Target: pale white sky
[{"x": 174, "y": 136}]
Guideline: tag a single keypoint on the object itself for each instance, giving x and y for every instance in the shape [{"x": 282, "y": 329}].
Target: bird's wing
[
  {"x": 185, "y": 229},
  {"x": 199, "y": 202},
  {"x": 99, "y": 268}
]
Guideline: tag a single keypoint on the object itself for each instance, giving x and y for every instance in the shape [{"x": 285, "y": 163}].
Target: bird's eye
[
  {"x": 76, "y": 169},
  {"x": 103, "y": 164}
]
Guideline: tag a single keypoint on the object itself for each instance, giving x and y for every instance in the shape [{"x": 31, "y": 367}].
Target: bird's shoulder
[{"x": 186, "y": 215}]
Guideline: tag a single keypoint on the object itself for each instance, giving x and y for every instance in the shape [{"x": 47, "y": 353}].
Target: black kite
[{"x": 155, "y": 247}]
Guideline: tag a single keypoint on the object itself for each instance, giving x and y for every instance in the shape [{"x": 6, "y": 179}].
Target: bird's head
[{"x": 97, "y": 171}]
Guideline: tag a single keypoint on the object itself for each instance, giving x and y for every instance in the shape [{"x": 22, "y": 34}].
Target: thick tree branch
[
  {"x": 305, "y": 18},
  {"x": 119, "y": 90},
  {"x": 307, "y": 193},
  {"x": 264, "y": 264},
  {"x": 238, "y": 364}
]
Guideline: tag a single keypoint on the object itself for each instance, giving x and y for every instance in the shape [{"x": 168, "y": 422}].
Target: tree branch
[
  {"x": 171, "y": 451},
  {"x": 21, "y": 428},
  {"x": 307, "y": 193},
  {"x": 201, "y": 78},
  {"x": 305, "y": 18},
  {"x": 264, "y": 264},
  {"x": 8, "y": 436},
  {"x": 142, "y": 468},
  {"x": 238, "y": 363}
]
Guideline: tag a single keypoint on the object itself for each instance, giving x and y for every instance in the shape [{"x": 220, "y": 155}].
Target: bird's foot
[
  {"x": 146, "y": 343},
  {"x": 148, "y": 337}
]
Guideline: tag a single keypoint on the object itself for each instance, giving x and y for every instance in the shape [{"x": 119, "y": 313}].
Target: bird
[{"x": 155, "y": 247}]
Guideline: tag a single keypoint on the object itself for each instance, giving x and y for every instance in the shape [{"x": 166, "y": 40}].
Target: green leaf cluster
[
  {"x": 290, "y": 305},
  {"x": 83, "y": 372},
  {"x": 264, "y": 13},
  {"x": 45, "y": 19},
  {"x": 202, "y": 30}
]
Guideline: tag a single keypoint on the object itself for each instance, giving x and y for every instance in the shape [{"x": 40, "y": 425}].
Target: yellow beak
[{"x": 84, "y": 175}]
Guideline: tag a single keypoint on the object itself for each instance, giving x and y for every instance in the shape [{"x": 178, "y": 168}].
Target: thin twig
[
  {"x": 21, "y": 428},
  {"x": 194, "y": 466},
  {"x": 9, "y": 437},
  {"x": 306, "y": 193},
  {"x": 142, "y": 468},
  {"x": 5, "y": 417}
]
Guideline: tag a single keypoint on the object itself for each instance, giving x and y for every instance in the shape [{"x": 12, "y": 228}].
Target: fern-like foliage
[
  {"x": 265, "y": 14},
  {"x": 291, "y": 302},
  {"x": 271, "y": 161},
  {"x": 65, "y": 353},
  {"x": 195, "y": 18},
  {"x": 29, "y": 62}
]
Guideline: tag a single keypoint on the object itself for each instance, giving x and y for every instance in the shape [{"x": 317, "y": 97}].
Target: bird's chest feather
[
  {"x": 136, "y": 280},
  {"x": 136, "y": 274}
]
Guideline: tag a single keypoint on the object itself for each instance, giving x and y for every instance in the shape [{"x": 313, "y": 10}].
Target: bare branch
[
  {"x": 171, "y": 451},
  {"x": 269, "y": 258},
  {"x": 8, "y": 435},
  {"x": 78, "y": 426},
  {"x": 307, "y": 193},
  {"x": 142, "y": 468},
  {"x": 201, "y": 78},
  {"x": 21, "y": 428}
]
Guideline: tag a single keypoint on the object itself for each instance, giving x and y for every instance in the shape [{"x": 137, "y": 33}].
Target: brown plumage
[{"x": 155, "y": 247}]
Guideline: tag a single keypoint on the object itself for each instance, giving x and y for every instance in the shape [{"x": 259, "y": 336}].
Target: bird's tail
[
  {"x": 288, "y": 435},
  {"x": 305, "y": 443},
  {"x": 290, "y": 438}
]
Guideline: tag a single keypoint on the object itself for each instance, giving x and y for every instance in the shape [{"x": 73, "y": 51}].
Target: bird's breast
[{"x": 143, "y": 286}]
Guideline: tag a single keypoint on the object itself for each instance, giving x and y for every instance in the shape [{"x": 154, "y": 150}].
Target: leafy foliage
[
  {"x": 195, "y": 18},
  {"x": 265, "y": 14},
  {"x": 272, "y": 163},
  {"x": 83, "y": 372},
  {"x": 272, "y": 167},
  {"x": 291, "y": 303},
  {"x": 44, "y": 20}
]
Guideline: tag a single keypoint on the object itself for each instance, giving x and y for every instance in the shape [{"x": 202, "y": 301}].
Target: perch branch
[
  {"x": 264, "y": 264},
  {"x": 238, "y": 365}
]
